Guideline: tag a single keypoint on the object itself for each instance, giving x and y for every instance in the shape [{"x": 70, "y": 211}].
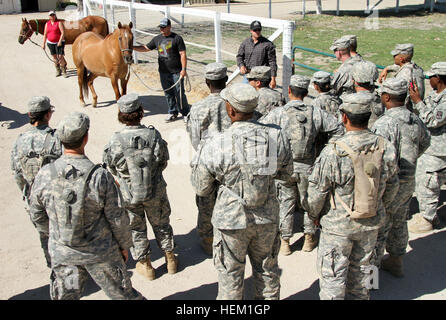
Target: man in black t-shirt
[{"x": 172, "y": 63}]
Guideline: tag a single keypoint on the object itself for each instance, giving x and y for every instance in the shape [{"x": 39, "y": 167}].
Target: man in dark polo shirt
[
  {"x": 257, "y": 51},
  {"x": 172, "y": 62}
]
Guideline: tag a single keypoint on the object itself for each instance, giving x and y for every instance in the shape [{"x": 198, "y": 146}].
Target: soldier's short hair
[
  {"x": 131, "y": 118},
  {"x": 75, "y": 144},
  {"x": 37, "y": 116},
  {"x": 217, "y": 84},
  {"x": 325, "y": 87},
  {"x": 298, "y": 92},
  {"x": 358, "y": 120}
]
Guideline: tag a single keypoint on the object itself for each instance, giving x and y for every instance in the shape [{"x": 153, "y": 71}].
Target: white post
[
  {"x": 112, "y": 9},
  {"x": 229, "y": 5},
  {"x": 303, "y": 8},
  {"x": 182, "y": 16},
  {"x": 287, "y": 51},
  {"x": 318, "y": 7},
  {"x": 85, "y": 11},
  {"x": 270, "y": 9},
  {"x": 368, "y": 6},
  {"x": 167, "y": 12},
  {"x": 397, "y": 7},
  {"x": 132, "y": 16},
  {"x": 217, "y": 32},
  {"x": 337, "y": 8},
  {"x": 104, "y": 9}
]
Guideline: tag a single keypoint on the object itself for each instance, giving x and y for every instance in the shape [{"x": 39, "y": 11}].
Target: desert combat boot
[
  {"x": 172, "y": 262},
  {"x": 64, "y": 71},
  {"x": 285, "y": 247},
  {"x": 310, "y": 242},
  {"x": 420, "y": 225},
  {"x": 144, "y": 268},
  {"x": 394, "y": 265}
]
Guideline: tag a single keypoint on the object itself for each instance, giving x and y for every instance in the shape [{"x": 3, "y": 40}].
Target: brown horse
[
  {"x": 72, "y": 28},
  {"x": 109, "y": 57}
]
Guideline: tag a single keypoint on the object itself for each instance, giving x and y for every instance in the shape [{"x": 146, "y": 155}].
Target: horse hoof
[
  {"x": 83, "y": 104},
  {"x": 94, "y": 105}
]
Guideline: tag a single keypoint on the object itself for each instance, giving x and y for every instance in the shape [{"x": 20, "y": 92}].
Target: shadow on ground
[
  {"x": 12, "y": 119},
  {"x": 154, "y": 104}
]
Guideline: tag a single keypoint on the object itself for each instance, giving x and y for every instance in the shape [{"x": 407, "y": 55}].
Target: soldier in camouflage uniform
[
  {"x": 347, "y": 244},
  {"x": 411, "y": 138},
  {"x": 207, "y": 117},
  {"x": 144, "y": 189},
  {"x": 244, "y": 159},
  {"x": 302, "y": 124},
  {"x": 78, "y": 205},
  {"x": 342, "y": 81},
  {"x": 356, "y": 57},
  {"x": 431, "y": 167},
  {"x": 405, "y": 69},
  {"x": 33, "y": 149},
  {"x": 260, "y": 77},
  {"x": 364, "y": 74},
  {"x": 326, "y": 100}
]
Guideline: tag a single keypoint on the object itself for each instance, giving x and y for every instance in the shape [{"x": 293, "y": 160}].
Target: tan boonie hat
[
  {"x": 300, "y": 81},
  {"x": 129, "y": 103},
  {"x": 355, "y": 103},
  {"x": 395, "y": 86},
  {"x": 39, "y": 104},
  {"x": 241, "y": 96},
  {"x": 259, "y": 73},
  {"x": 405, "y": 48},
  {"x": 73, "y": 127},
  {"x": 215, "y": 71},
  {"x": 340, "y": 44},
  {"x": 321, "y": 77},
  {"x": 364, "y": 72},
  {"x": 437, "y": 69}
]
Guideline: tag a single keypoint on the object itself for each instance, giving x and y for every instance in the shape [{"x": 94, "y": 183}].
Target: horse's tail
[{"x": 85, "y": 82}]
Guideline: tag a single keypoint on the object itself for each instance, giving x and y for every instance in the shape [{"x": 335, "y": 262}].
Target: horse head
[
  {"x": 26, "y": 31},
  {"x": 125, "y": 40}
]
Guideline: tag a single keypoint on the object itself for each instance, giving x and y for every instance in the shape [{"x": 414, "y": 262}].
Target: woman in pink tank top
[{"x": 54, "y": 37}]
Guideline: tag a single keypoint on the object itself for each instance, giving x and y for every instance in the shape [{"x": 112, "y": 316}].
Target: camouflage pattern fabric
[
  {"x": 343, "y": 264},
  {"x": 411, "y": 138},
  {"x": 261, "y": 243},
  {"x": 327, "y": 101},
  {"x": 342, "y": 81},
  {"x": 346, "y": 245},
  {"x": 268, "y": 100},
  {"x": 157, "y": 208},
  {"x": 431, "y": 166},
  {"x": 205, "y": 207},
  {"x": 411, "y": 72},
  {"x": 111, "y": 276}
]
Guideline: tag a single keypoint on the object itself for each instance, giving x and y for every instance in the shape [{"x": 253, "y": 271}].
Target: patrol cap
[
  {"x": 73, "y": 127},
  {"x": 395, "y": 86},
  {"x": 405, "y": 48},
  {"x": 364, "y": 72},
  {"x": 164, "y": 22},
  {"x": 351, "y": 37},
  {"x": 260, "y": 73},
  {"x": 241, "y": 96},
  {"x": 255, "y": 25},
  {"x": 129, "y": 103},
  {"x": 355, "y": 103},
  {"x": 215, "y": 71},
  {"x": 321, "y": 77},
  {"x": 39, "y": 104},
  {"x": 300, "y": 81},
  {"x": 340, "y": 44},
  {"x": 437, "y": 69}
]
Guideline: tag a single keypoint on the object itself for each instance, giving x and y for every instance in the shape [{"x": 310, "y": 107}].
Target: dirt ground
[{"x": 26, "y": 72}]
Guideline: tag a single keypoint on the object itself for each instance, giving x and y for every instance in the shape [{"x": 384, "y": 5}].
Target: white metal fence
[{"x": 282, "y": 27}]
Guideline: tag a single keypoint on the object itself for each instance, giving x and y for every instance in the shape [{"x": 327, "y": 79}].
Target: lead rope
[
  {"x": 164, "y": 90},
  {"x": 43, "y": 50}
]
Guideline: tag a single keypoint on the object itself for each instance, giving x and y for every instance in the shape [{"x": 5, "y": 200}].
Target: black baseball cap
[{"x": 256, "y": 25}]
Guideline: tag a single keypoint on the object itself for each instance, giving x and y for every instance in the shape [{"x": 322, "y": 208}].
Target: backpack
[
  {"x": 138, "y": 154},
  {"x": 255, "y": 152},
  {"x": 33, "y": 161},
  {"x": 300, "y": 130},
  {"x": 69, "y": 200},
  {"x": 367, "y": 166}
]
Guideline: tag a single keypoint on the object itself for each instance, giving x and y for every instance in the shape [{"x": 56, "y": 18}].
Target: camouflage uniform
[
  {"x": 326, "y": 100},
  {"x": 93, "y": 244},
  {"x": 37, "y": 140},
  {"x": 246, "y": 214},
  {"x": 295, "y": 190},
  {"x": 342, "y": 81},
  {"x": 347, "y": 245},
  {"x": 206, "y": 118},
  {"x": 268, "y": 98},
  {"x": 365, "y": 72},
  {"x": 431, "y": 167},
  {"x": 411, "y": 138},
  {"x": 353, "y": 40},
  {"x": 410, "y": 71},
  {"x": 155, "y": 208}
]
